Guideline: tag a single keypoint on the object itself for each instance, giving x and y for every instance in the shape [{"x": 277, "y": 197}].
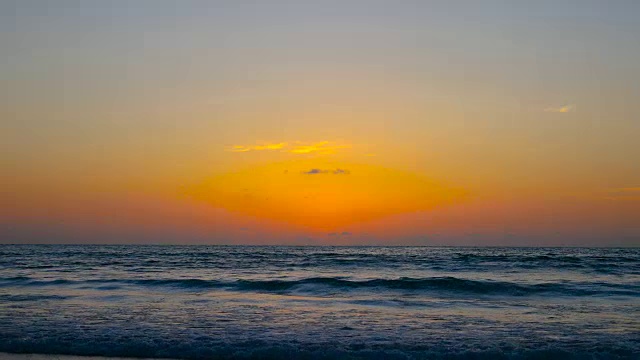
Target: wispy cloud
[
  {"x": 322, "y": 147},
  {"x": 327, "y": 171},
  {"x": 238, "y": 148},
  {"x": 562, "y": 109},
  {"x": 625, "y": 193},
  {"x": 627, "y": 190},
  {"x": 260, "y": 147},
  {"x": 344, "y": 233},
  {"x": 299, "y": 148},
  {"x": 315, "y": 172}
]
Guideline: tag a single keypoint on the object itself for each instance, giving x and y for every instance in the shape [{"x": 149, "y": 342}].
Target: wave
[
  {"x": 323, "y": 284},
  {"x": 435, "y": 284},
  {"x": 26, "y": 297}
]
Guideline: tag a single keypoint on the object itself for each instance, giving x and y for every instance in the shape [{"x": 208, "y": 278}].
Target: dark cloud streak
[{"x": 327, "y": 171}]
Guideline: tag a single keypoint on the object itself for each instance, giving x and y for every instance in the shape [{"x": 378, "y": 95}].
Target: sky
[{"x": 320, "y": 122}]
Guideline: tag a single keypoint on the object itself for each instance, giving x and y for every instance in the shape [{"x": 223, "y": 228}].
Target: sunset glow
[
  {"x": 396, "y": 124},
  {"x": 324, "y": 194}
]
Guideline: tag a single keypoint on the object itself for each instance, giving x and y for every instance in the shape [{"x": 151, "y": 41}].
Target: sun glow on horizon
[{"x": 323, "y": 194}]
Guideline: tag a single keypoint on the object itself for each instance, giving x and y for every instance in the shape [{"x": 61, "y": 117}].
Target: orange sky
[{"x": 428, "y": 123}]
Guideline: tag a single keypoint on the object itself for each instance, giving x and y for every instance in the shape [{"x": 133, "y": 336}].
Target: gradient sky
[{"x": 320, "y": 122}]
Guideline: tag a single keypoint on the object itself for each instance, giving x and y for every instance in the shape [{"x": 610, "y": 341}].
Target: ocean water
[{"x": 247, "y": 302}]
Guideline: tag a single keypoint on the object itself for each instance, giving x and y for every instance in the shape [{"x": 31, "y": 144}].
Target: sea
[{"x": 288, "y": 302}]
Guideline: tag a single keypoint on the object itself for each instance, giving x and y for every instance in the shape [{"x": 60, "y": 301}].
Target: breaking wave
[{"x": 320, "y": 284}]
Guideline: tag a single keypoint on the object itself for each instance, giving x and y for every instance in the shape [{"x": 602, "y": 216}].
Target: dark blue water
[{"x": 233, "y": 302}]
